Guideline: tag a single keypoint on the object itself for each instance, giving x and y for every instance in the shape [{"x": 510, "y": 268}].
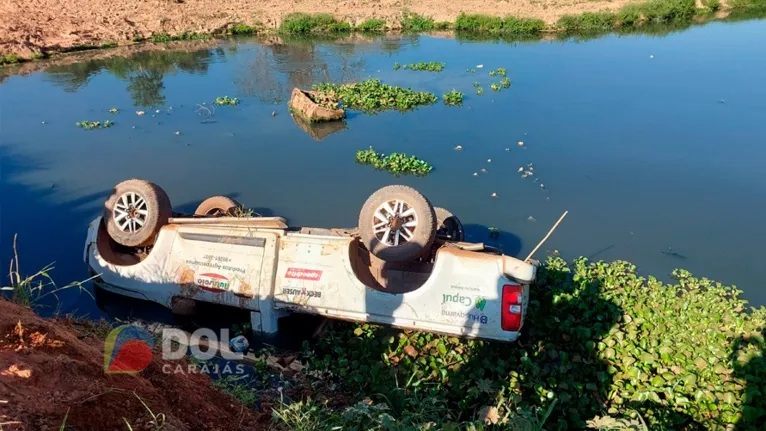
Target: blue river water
[{"x": 655, "y": 145}]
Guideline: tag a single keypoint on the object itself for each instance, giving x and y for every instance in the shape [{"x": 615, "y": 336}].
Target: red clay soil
[{"x": 49, "y": 371}]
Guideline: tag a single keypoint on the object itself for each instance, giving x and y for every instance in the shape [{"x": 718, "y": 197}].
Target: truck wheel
[
  {"x": 217, "y": 206},
  {"x": 448, "y": 225},
  {"x": 135, "y": 212},
  {"x": 397, "y": 223}
]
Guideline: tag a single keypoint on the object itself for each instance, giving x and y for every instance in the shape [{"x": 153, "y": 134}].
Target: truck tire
[
  {"x": 448, "y": 225},
  {"x": 217, "y": 206},
  {"x": 135, "y": 212},
  {"x": 397, "y": 223}
]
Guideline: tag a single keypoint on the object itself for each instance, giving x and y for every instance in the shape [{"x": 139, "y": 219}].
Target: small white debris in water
[
  {"x": 177, "y": 132},
  {"x": 531, "y": 169},
  {"x": 273, "y": 113},
  {"x": 521, "y": 169},
  {"x": 489, "y": 160},
  {"x": 157, "y": 111},
  {"x": 494, "y": 195},
  {"x": 521, "y": 143},
  {"x": 651, "y": 56},
  {"x": 475, "y": 174},
  {"x": 479, "y": 66},
  {"x": 459, "y": 147},
  {"x": 530, "y": 218},
  {"x": 483, "y": 170},
  {"x": 542, "y": 186},
  {"x": 43, "y": 122},
  {"x": 134, "y": 127},
  {"x": 140, "y": 113},
  {"x": 507, "y": 149}
]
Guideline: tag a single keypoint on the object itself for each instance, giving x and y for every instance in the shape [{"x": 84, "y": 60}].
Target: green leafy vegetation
[
  {"x": 113, "y": 110},
  {"x": 587, "y": 22},
  {"x": 303, "y": 23},
  {"x": 372, "y": 25},
  {"x": 30, "y": 291},
  {"x": 495, "y": 25},
  {"x": 226, "y": 101},
  {"x": 109, "y": 44},
  {"x": 373, "y": 96},
  {"x": 431, "y": 66},
  {"x": 597, "y": 338},
  {"x": 186, "y": 35},
  {"x": 505, "y": 82},
  {"x": 414, "y": 22},
  {"x": 453, "y": 98},
  {"x": 442, "y": 25},
  {"x": 395, "y": 163},
  {"x": 243, "y": 29},
  {"x": 91, "y": 125},
  {"x": 9, "y": 59}
]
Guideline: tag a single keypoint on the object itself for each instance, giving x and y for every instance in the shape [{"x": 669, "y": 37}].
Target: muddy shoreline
[{"x": 35, "y": 30}]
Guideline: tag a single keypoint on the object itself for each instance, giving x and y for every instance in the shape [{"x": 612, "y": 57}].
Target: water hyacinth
[
  {"x": 373, "y": 96},
  {"x": 597, "y": 338},
  {"x": 395, "y": 163}
]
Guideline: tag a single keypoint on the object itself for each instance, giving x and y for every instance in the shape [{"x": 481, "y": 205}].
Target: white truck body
[{"x": 260, "y": 265}]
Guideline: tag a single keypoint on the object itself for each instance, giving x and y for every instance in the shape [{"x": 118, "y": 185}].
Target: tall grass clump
[
  {"x": 9, "y": 59},
  {"x": 747, "y": 4},
  {"x": 31, "y": 290},
  {"x": 629, "y": 16},
  {"x": 666, "y": 11},
  {"x": 588, "y": 22},
  {"x": 301, "y": 23},
  {"x": 479, "y": 23},
  {"x": 372, "y": 25},
  {"x": 243, "y": 29},
  {"x": 415, "y": 22}
]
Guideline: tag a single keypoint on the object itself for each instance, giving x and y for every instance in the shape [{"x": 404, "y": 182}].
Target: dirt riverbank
[
  {"x": 28, "y": 27},
  {"x": 52, "y": 377}
]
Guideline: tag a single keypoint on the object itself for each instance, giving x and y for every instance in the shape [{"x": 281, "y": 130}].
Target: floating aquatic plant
[
  {"x": 505, "y": 82},
  {"x": 395, "y": 163},
  {"x": 91, "y": 125},
  {"x": 226, "y": 100},
  {"x": 431, "y": 66},
  {"x": 373, "y": 96},
  {"x": 113, "y": 111},
  {"x": 452, "y": 98}
]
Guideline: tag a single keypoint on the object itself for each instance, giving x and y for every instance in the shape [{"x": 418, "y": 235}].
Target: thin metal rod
[{"x": 546, "y": 236}]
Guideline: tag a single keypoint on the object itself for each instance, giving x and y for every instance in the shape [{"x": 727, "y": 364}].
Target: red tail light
[{"x": 511, "y": 308}]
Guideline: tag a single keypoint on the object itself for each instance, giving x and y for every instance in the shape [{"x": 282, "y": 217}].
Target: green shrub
[
  {"x": 442, "y": 25},
  {"x": 588, "y": 22},
  {"x": 494, "y": 25},
  {"x": 243, "y": 29},
  {"x": 186, "y": 35},
  {"x": 372, "y": 25},
  {"x": 110, "y": 44},
  {"x": 529, "y": 26},
  {"x": 373, "y": 96},
  {"x": 747, "y": 4},
  {"x": 479, "y": 23},
  {"x": 414, "y": 22},
  {"x": 629, "y": 16},
  {"x": 9, "y": 59},
  {"x": 713, "y": 5},
  {"x": 597, "y": 338},
  {"x": 665, "y": 11},
  {"x": 300, "y": 22}
]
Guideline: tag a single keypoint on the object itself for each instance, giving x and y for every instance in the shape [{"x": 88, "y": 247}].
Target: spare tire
[
  {"x": 397, "y": 223},
  {"x": 448, "y": 225},
  {"x": 135, "y": 212},
  {"x": 217, "y": 206}
]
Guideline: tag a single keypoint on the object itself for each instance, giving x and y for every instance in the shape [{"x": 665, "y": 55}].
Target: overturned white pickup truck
[{"x": 406, "y": 264}]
